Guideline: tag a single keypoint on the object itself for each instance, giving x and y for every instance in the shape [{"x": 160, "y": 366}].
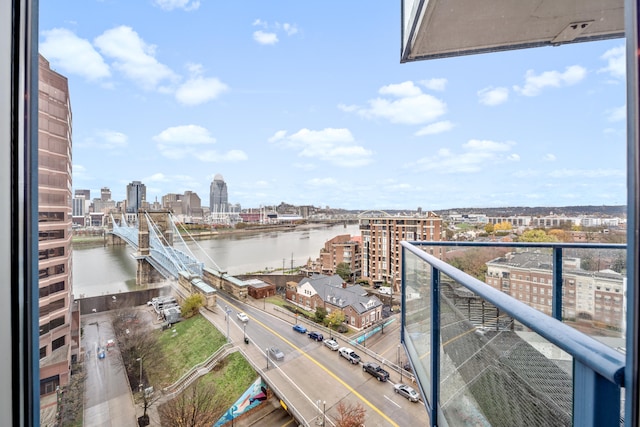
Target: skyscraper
[
  {"x": 218, "y": 199},
  {"x": 136, "y": 194},
  {"x": 59, "y": 344}
]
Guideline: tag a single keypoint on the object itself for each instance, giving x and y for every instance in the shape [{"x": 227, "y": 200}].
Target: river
[{"x": 112, "y": 269}]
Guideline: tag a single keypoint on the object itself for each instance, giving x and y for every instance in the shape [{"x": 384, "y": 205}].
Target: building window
[
  {"x": 57, "y": 343},
  {"x": 49, "y": 385}
]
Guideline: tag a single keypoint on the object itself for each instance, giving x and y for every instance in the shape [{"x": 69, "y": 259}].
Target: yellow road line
[{"x": 347, "y": 386}]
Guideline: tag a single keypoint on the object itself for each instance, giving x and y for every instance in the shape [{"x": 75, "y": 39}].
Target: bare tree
[
  {"x": 72, "y": 398},
  {"x": 197, "y": 406},
  {"x": 350, "y": 415}
]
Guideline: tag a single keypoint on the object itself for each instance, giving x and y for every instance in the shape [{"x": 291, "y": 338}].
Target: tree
[
  {"x": 192, "y": 304},
  {"x": 344, "y": 270},
  {"x": 321, "y": 313},
  {"x": 489, "y": 228},
  {"x": 350, "y": 415},
  {"x": 335, "y": 318},
  {"x": 503, "y": 226},
  {"x": 72, "y": 399},
  {"x": 537, "y": 235},
  {"x": 197, "y": 406}
]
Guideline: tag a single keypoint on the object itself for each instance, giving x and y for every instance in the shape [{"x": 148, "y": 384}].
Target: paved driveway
[{"x": 108, "y": 399}]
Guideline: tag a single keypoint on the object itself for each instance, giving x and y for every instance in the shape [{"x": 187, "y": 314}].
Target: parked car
[
  {"x": 275, "y": 353},
  {"x": 242, "y": 317},
  {"x": 315, "y": 335},
  {"x": 375, "y": 370},
  {"x": 110, "y": 343},
  {"x": 332, "y": 344},
  {"x": 349, "y": 354},
  {"x": 101, "y": 353},
  {"x": 407, "y": 391},
  {"x": 300, "y": 328},
  {"x": 385, "y": 290}
]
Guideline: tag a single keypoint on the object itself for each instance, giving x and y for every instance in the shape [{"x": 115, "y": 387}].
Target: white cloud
[
  {"x": 105, "y": 139},
  {"x": 435, "y": 84},
  {"x": 617, "y": 114},
  {"x": 493, "y": 96},
  {"x": 477, "y": 156},
  {"x": 550, "y": 157},
  {"x": 435, "y": 128},
  {"x": 73, "y": 55},
  {"x": 198, "y": 90},
  {"x": 587, "y": 173},
  {"x": 263, "y": 37},
  {"x": 616, "y": 62},
  {"x": 413, "y": 107},
  {"x": 535, "y": 83},
  {"x": 187, "y": 5},
  {"x": 133, "y": 57},
  {"x": 179, "y": 142},
  {"x": 348, "y": 108},
  {"x": 290, "y": 29},
  {"x": 335, "y": 146},
  {"x": 186, "y": 134}
]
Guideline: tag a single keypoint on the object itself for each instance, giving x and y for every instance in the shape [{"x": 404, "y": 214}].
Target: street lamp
[
  {"x": 324, "y": 412},
  {"x": 399, "y": 364},
  {"x": 266, "y": 353},
  {"x": 330, "y": 331},
  {"x": 139, "y": 359},
  {"x": 227, "y": 316}
]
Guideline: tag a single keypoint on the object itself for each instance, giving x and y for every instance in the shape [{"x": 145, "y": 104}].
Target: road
[
  {"x": 312, "y": 373},
  {"x": 108, "y": 399}
]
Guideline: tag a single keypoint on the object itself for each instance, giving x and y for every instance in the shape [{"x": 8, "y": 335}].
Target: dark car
[
  {"x": 300, "y": 328},
  {"x": 315, "y": 335},
  {"x": 375, "y": 370}
]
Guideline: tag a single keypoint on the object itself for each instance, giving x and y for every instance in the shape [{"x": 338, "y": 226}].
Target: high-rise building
[
  {"x": 85, "y": 193},
  {"x": 381, "y": 237},
  {"x": 59, "y": 339},
  {"x": 105, "y": 194},
  {"x": 136, "y": 195},
  {"x": 218, "y": 198}
]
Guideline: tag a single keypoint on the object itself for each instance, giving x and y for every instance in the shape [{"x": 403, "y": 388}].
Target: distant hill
[{"x": 600, "y": 211}]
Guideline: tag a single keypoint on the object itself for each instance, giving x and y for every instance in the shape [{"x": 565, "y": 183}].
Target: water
[{"x": 106, "y": 270}]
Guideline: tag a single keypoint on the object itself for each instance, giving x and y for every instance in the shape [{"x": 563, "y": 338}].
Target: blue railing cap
[{"x": 597, "y": 356}]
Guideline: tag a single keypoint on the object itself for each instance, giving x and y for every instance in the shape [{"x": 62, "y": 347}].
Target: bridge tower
[{"x": 145, "y": 272}]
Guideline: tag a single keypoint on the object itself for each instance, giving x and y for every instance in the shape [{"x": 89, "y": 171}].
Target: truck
[
  {"x": 349, "y": 354},
  {"x": 375, "y": 370}
]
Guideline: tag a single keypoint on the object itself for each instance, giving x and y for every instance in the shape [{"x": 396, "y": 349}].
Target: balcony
[{"x": 482, "y": 357}]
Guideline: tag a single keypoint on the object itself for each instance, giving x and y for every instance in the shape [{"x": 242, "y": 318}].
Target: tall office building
[
  {"x": 136, "y": 195},
  {"x": 81, "y": 192},
  {"x": 218, "y": 198},
  {"x": 105, "y": 194},
  {"x": 59, "y": 339},
  {"x": 381, "y": 237}
]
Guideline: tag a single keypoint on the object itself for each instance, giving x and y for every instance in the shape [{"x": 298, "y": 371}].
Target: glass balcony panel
[
  {"x": 495, "y": 372},
  {"x": 417, "y": 288}
]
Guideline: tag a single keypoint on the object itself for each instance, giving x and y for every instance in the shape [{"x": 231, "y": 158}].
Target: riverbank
[{"x": 84, "y": 240}]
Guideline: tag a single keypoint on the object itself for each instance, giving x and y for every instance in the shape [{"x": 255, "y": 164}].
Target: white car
[
  {"x": 385, "y": 290},
  {"x": 332, "y": 344},
  {"x": 242, "y": 317}
]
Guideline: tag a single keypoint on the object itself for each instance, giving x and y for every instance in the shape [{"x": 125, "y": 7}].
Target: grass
[
  {"x": 231, "y": 378},
  {"x": 194, "y": 340}
]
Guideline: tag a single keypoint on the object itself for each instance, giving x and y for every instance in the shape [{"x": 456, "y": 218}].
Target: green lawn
[
  {"x": 193, "y": 341},
  {"x": 232, "y": 377}
]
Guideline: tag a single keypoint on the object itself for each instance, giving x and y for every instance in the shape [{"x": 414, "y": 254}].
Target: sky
[{"x": 307, "y": 103}]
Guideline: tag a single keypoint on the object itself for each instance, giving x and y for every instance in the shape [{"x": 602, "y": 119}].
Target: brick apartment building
[
  {"x": 381, "y": 237},
  {"x": 597, "y": 296},
  {"x": 341, "y": 249}
]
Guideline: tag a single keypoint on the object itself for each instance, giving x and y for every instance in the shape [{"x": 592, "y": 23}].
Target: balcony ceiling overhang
[{"x": 444, "y": 28}]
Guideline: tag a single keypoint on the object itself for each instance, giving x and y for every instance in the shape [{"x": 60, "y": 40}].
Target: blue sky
[{"x": 306, "y": 102}]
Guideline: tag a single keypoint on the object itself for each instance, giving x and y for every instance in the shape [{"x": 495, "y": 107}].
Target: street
[{"x": 108, "y": 399}]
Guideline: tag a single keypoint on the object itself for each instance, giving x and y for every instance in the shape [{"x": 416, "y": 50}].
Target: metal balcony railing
[{"x": 482, "y": 357}]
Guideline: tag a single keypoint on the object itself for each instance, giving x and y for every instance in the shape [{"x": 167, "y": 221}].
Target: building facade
[
  {"x": 596, "y": 296},
  {"x": 381, "y": 237},
  {"x": 341, "y": 249},
  {"x": 218, "y": 197},
  {"x": 136, "y": 196},
  {"x": 332, "y": 293},
  {"x": 58, "y": 323}
]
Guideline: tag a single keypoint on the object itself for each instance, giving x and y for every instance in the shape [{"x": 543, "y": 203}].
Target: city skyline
[{"x": 295, "y": 102}]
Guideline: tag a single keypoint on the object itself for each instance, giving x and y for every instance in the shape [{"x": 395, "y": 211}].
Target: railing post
[
  {"x": 435, "y": 344},
  {"x": 556, "y": 304},
  {"x": 596, "y": 401}
]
